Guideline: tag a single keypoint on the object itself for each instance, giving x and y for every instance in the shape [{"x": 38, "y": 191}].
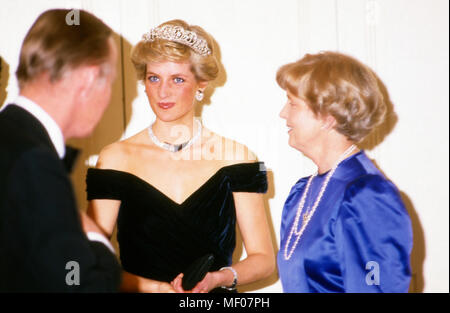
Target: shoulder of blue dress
[
  {"x": 354, "y": 167},
  {"x": 379, "y": 195},
  {"x": 301, "y": 182},
  {"x": 367, "y": 181}
]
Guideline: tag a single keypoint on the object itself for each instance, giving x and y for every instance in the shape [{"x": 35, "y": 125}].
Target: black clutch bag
[{"x": 197, "y": 271}]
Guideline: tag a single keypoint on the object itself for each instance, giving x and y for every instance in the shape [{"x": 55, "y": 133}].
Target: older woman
[
  {"x": 344, "y": 228},
  {"x": 174, "y": 188}
]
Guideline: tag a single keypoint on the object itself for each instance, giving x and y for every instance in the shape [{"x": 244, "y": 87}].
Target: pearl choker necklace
[
  {"x": 171, "y": 147},
  {"x": 308, "y": 215}
]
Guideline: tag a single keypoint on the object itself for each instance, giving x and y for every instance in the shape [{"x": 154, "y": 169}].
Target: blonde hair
[
  {"x": 53, "y": 46},
  {"x": 338, "y": 85},
  {"x": 204, "y": 68}
]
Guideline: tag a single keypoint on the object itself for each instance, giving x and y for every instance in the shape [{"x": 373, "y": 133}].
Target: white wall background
[{"x": 404, "y": 41}]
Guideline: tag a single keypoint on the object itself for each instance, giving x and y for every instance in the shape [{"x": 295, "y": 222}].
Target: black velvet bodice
[{"x": 159, "y": 238}]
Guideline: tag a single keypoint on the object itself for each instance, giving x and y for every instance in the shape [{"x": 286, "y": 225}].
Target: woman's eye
[
  {"x": 178, "y": 80},
  {"x": 153, "y": 79}
]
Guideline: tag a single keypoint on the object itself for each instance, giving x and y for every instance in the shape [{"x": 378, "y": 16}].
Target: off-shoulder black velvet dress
[{"x": 159, "y": 238}]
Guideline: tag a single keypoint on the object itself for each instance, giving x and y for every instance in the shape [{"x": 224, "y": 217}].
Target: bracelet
[{"x": 235, "y": 278}]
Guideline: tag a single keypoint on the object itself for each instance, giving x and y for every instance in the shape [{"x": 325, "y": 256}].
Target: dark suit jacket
[{"x": 40, "y": 230}]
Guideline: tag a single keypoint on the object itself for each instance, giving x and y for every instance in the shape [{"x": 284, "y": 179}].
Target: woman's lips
[{"x": 166, "y": 105}]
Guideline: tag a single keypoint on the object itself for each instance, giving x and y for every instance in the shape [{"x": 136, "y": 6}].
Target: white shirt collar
[{"x": 52, "y": 128}]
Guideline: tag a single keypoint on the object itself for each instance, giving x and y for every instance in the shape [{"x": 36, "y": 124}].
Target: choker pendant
[
  {"x": 175, "y": 148},
  {"x": 178, "y": 147}
]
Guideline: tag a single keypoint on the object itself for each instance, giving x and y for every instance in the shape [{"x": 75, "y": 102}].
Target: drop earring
[{"x": 199, "y": 95}]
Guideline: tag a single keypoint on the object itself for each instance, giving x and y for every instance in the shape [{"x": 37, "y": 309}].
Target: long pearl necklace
[
  {"x": 308, "y": 215},
  {"x": 171, "y": 147}
]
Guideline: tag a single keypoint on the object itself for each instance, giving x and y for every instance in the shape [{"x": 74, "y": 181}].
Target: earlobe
[{"x": 199, "y": 95}]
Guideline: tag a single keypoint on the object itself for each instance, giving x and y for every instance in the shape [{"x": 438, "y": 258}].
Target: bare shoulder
[
  {"x": 116, "y": 155},
  {"x": 111, "y": 156},
  {"x": 231, "y": 151}
]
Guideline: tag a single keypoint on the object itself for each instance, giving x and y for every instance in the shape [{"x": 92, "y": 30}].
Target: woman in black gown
[{"x": 176, "y": 189}]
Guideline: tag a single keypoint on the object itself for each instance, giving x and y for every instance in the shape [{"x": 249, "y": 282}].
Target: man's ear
[{"x": 87, "y": 77}]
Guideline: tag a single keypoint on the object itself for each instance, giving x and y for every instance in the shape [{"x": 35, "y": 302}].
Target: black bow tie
[{"x": 70, "y": 157}]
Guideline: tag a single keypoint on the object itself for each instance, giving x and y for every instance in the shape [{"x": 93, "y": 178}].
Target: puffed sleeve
[
  {"x": 105, "y": 184},
  {"x": 374, "y": 236},
  {"x": 248, "y": 177}
]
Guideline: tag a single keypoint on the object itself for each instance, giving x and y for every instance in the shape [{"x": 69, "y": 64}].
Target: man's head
[{"x": 72, "y": 63}]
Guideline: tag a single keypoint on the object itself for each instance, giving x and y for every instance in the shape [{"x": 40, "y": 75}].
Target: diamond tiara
[{"x": 180, "y": 35}]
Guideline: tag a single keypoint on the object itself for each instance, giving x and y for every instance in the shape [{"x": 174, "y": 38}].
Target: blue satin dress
[{"x": 358, "y": 240}]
